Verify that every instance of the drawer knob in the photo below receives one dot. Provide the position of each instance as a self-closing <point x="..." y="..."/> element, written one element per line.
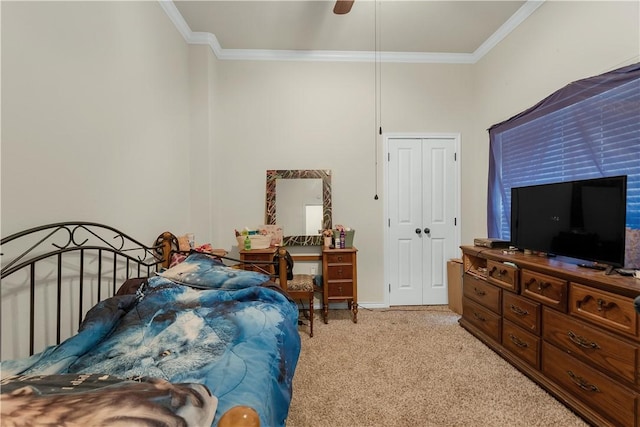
<point x="519" y="311"/>
<point x="479" y="317"/>
<point x="339" y="258"/>
<point x="582" y="342"/>
<point x="582" y="383"/>
<point x="517" y="341"/>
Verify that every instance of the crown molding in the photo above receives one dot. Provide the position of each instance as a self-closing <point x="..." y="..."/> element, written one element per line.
<point x="203" y="38"/>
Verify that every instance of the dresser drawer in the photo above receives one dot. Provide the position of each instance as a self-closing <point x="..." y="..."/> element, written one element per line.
<point x="340" y="258"/>
<point x="482" y="318"/>
<point x="482" y="292"/>
<point x="340" y="289"/>
<point x="522" y="343"/>
<point x="547" y="290"/>
<point x="522" y="312"/>
<point x="596" y="390"/>
<point x="503" y="275"/>
<point x="607" y="310"/>
<point x="339" y="272"/>
<point x="597" y="347"/>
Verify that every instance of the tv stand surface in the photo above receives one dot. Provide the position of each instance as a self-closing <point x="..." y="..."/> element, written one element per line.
<point x="608" y="269"/>
<point x="570" y="329"/>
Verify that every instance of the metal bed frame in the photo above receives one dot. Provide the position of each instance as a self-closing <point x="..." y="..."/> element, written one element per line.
<point x="66" y="250"/>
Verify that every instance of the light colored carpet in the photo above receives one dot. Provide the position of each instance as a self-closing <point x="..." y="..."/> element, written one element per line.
<point x="411" y="366"/>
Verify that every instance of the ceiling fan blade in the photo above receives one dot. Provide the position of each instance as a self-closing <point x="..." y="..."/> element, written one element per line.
<point x="342" y="7"/>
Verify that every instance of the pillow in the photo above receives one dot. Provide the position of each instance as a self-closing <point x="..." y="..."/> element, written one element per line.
<point x="177" y="257"/>
<point x="183" y="243"/>
<point x="203" y="271"/>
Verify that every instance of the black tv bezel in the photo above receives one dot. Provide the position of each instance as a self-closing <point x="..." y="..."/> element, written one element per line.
<point x="577" y="259"/>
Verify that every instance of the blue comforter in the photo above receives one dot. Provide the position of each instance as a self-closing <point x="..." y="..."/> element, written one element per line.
<point x="199" y="323"/>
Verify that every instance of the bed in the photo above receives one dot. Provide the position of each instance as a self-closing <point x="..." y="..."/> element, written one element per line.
<point x="202" y="342"/>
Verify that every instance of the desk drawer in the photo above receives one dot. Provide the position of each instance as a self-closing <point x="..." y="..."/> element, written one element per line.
<point x="340" y="289"/>
<point x="607" y="310"/>
<point x="340" y="258"/>
<point x="613" y="400"/>
<point x="339" y="272"/>
<point x="503" y="275"/>
<point x="523" y="312"/>
<point x="522" y="343"/>
<point x="482" y="292"/>
<point x="597" y="347"/>
<point x="482" y="318"/>
<point x="547" y="290"/>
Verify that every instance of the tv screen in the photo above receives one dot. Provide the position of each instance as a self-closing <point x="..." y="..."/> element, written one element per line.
<point x="579" y="219"/>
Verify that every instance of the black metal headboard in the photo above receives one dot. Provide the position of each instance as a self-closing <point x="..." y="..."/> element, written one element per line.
<point x="84" y="259"/>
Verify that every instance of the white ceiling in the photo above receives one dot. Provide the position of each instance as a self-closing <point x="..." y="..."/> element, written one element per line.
<point x="414" y="28"/>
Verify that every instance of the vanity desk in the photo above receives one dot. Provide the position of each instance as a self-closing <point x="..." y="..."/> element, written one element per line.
<point x="339" y="279"/>
<point x="260" y="255"/>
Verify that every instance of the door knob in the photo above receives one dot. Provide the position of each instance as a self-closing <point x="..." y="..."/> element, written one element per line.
<point x="418" y="231"/>
<point x="427" y="230"/>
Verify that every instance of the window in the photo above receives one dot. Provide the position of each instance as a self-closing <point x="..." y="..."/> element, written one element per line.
<point x="588" y="129"/>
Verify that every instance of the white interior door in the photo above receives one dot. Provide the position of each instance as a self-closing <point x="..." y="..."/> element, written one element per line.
<point x="422" y="191"/>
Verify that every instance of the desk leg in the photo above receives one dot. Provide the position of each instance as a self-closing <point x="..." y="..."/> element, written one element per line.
<point x="354" y="310"/>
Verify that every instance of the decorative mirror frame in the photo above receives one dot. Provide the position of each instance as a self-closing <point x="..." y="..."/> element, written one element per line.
<point x="270" y="211"/>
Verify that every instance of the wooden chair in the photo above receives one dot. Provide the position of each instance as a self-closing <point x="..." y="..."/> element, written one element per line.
<point x="300" y="287"/>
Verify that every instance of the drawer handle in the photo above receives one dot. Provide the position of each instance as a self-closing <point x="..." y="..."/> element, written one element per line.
<point x="541" y="285"/>
<point x="479" y="292"/>
<point x="500" y="272"/>
<point x="582" y="383"/>
<point x="517" y="341"/>
<point x="340" y="258"/>
<point x="517" y="310"/>
<point x="479" y="317"/>
<point x="582" y="342"/>
<point x="604" y="306"/>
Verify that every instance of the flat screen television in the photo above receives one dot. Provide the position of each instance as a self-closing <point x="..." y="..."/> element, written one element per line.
<point x="578" y="219"/>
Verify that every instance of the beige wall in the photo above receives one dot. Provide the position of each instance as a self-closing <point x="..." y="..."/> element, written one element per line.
<point x="111" y="92"/>
<point x="95" y="116"/>
<point x="317" y="115"/>
<point x="563" y="41"/>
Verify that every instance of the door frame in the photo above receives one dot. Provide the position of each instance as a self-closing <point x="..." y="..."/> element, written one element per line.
<point x="455" y="137"/>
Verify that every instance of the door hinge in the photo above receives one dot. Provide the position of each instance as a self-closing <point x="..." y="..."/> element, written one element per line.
<point x="455" y="221"/>
<point x="455" y="157"/>
<point x="388" y="157"/>
<point x="389" y="287"/>
<point x="389" y="222"/>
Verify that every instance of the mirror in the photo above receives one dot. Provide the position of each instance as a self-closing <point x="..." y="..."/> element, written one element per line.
<point x="299" y="201"/>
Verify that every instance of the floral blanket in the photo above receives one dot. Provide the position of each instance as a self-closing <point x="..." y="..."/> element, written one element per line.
<point x="197" y="323"/>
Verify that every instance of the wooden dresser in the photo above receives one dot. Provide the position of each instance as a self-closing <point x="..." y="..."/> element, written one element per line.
<point x="340" y="279"/>
<point x="572" y="330"/>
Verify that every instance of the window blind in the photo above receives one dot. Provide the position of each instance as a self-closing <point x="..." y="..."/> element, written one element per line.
<point x="589" y="129"/>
